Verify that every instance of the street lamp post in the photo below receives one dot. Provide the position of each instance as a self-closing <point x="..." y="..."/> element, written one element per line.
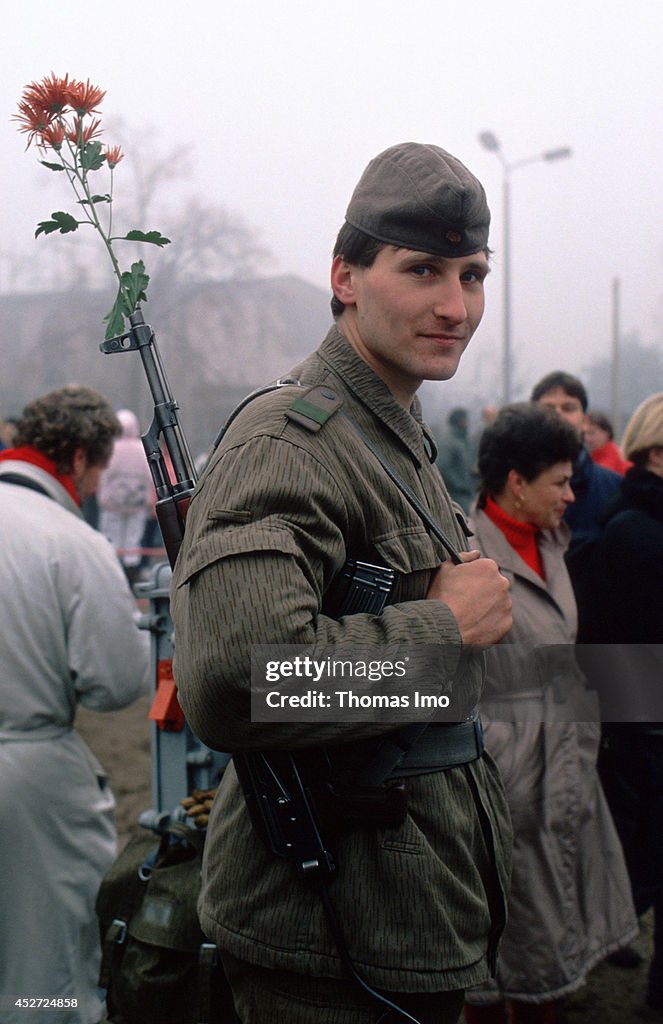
<point x="490" y="142"/>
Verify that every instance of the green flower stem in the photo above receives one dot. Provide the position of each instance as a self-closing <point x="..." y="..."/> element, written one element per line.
<point x="78" y="153"/>
<point x="77" y="174"/>
<point x="110" y="205"/>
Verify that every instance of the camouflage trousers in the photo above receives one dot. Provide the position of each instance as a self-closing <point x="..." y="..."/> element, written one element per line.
<point x="265" y="996"/>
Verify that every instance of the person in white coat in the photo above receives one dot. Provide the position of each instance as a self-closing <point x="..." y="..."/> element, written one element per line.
<point x="68" y="636"/>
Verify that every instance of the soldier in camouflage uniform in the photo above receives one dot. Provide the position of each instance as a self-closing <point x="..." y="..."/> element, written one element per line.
<point x="286" y="499"/>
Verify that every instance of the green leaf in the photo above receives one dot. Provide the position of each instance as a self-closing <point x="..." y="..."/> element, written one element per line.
<point x="52" y="167"/>
<point x="62" y="222"/>
<point x="114" y="320"/>
<point x="131" y="291"/>
<point x="154" y="237"/>
<point x="96" y="199"/>
<point x="92" y="159"/>
<point x="135" y="284"/>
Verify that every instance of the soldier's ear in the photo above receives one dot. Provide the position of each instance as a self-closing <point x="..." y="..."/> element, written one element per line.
<point x="343" y="280"/>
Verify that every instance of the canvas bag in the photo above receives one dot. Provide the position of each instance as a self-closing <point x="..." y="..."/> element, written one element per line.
<point x="157" y="966"/>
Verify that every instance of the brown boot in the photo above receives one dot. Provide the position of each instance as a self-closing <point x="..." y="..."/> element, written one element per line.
<point x="491" y="1013"/>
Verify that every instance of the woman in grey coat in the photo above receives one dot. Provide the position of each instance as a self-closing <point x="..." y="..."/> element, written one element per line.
<point x="570" y="902"/>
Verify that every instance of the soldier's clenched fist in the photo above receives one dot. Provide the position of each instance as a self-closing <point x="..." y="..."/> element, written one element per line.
<point x="477" y="594"/>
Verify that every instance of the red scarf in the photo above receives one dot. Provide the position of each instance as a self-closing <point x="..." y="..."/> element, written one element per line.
<point x="521" y="536"/>
<point x="35" y="458"/>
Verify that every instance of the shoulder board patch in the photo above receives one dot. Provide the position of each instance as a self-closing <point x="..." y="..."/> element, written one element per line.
<point x="312" y="409"/>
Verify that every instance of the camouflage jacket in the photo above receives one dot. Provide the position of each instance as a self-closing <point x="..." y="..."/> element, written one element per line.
<point x="277" y="513"/>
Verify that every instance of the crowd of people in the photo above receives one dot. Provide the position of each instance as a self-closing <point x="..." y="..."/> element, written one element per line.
<point x="601" y="603"/>
<point x="478" y="872"/>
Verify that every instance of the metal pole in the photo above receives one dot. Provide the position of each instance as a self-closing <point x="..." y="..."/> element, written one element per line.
<point x="616" y="368"/>
<point x="490" y="142"/>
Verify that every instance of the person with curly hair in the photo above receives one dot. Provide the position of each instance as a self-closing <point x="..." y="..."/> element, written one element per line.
<point x="570" y="901"/>
<point x="68" y="637"/>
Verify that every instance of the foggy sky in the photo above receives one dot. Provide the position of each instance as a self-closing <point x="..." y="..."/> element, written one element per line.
<point x="284" y="103"/>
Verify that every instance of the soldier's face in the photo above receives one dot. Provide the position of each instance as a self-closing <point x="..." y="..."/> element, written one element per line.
<point x="411" y="315"/>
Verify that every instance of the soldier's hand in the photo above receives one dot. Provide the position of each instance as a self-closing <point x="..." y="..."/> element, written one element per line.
<point x="477" y="594"/>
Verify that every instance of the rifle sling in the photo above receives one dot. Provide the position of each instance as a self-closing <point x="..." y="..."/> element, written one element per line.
<point x="23" y="481"/>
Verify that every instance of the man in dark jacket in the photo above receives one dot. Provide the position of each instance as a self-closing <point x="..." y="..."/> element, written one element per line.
<point x="593" y="487"/>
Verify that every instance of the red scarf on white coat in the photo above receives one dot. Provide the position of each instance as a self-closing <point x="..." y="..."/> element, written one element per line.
<point x="35" y="458"/>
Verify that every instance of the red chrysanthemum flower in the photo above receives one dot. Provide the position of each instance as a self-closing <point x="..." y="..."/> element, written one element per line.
<point x="113" y="156"/>
<point x="53" y="135"/>
<point x="80" y="132"/>
<point x="84" y="97"/>
<point x="59" y="114"/>
<point x="52" y="93"/>
<point x="33" y="119"/>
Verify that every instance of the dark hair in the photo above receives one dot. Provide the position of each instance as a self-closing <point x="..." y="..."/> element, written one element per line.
<point x="600" y="420"/>
<point x="527" y="437"/>
<point x="355" y="247"/>
<point x="559" y="379"/>
<point x="66" y="419"/>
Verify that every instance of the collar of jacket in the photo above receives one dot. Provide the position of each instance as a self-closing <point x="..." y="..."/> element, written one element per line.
<point x="371" y="391"/>
<point x="580" y="469"/>
<point x="643" y="490"/>
<point x="522" y="536"/>
<point x="552" y="545"/>
<point x="33" y="457"/>
<point x="53" y="486"/>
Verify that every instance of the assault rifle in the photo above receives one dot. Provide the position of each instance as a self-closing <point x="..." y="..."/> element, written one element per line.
<point x="181" y="764"/>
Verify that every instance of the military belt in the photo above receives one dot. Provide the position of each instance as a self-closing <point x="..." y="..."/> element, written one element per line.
<point x="442" y="745"/>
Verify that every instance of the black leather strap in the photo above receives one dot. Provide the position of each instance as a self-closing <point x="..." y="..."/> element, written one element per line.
<point x="23" y="481"/>
<point x="409" y="494"/>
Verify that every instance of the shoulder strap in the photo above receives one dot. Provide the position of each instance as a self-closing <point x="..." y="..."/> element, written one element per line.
<point x="312" y="410"/>
<point x="280" y="383"/>
<point x="23" y="481"/>
<point x="409" y="494"/>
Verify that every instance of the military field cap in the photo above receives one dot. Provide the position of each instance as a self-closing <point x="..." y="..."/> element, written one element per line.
<point x="420" y="197"/>
<point x="644" y="430"/>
